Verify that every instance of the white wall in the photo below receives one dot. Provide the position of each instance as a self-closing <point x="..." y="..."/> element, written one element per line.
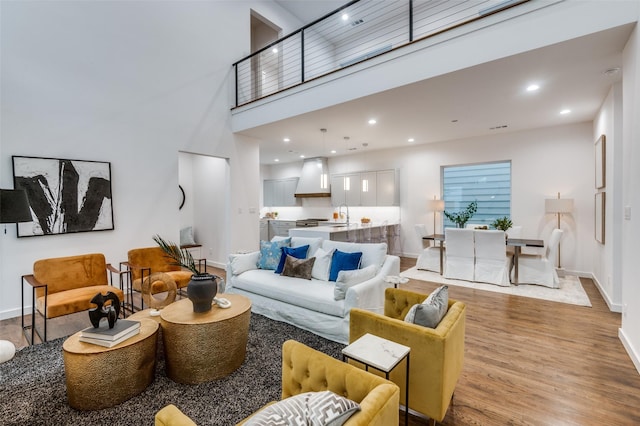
<point x="131" y="83"/>
<point x="630" y="330"/>
<point x="607" y="259"/>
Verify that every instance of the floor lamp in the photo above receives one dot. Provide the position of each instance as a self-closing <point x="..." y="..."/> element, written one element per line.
<point x="14" y="208"/>
<point x="435" y="206"/>
<point x="558" y="206"/>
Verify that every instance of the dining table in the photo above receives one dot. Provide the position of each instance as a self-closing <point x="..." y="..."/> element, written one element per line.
<point x="516" y="243"/>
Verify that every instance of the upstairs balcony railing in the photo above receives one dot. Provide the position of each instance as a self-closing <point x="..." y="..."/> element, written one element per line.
<point x="355" y="32"/>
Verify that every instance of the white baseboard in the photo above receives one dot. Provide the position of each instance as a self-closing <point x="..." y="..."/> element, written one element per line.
<point x="12" y="313"/>
<point x="633" y="354"/>
<point x="613" y="307"/>
<point x="216" y="264"/>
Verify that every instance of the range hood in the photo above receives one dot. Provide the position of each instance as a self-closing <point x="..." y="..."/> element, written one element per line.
<point x="314" y="178"/>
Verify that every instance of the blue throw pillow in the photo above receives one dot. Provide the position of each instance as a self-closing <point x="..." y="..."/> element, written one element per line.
<point x="297" y="252"/>
<point x="270" y="253"/>
<point x="342" y="261"/>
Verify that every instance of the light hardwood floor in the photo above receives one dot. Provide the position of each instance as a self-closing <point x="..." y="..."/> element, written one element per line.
<point x="527" y="361"/>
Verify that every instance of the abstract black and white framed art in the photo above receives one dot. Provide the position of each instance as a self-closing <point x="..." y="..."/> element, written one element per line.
<point x="65" y="196"/>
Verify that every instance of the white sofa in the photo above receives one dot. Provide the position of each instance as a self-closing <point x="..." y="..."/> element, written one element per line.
<point x="311" y="304"/>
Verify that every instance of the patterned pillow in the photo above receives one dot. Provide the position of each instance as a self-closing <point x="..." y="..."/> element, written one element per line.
<point x="298" y="268"/>
<point x="306" y="409"/>
<point x="430" y="312"/>
<point x="270" y="253"/>
<point x="297" y="252"/>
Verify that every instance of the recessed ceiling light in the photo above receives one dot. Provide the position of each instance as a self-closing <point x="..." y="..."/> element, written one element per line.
<point x="532" y="87"/>
<point x="372" y="121"/>
<point x="276" y="160"/>
<point x="286" y="140"/>
<point x="301" y="155"/>
<point x="333" y="151"/>
<point x="274" y="50"/>
<point x="345" y="16"/>
<point x="411" y="140"/>
<point x="565" y="111"/>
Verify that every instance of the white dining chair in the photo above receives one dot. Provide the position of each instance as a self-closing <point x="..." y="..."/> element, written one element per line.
<point x="429" y="258"/>
<point x="492" y="260"/>
<point x="540" y="270"/>
<point x="513" y="232"/>
<point x="460" y="254"/>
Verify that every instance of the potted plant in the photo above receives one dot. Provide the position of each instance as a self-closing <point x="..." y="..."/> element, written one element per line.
<point x="203" y="287"/>
<point x="462" y="217"/>
<point x="502" y="223"/>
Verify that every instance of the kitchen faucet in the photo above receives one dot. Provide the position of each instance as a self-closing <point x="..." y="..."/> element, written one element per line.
<point x="340" y="211"/>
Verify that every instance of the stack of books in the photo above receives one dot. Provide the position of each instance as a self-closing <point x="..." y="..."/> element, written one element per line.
<point x="109" y="337"/>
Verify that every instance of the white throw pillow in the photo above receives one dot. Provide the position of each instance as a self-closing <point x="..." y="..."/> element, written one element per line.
<point x="322" y="264"/>
<point x="186" y="236"/>
<point x="244" y="262"/>
<point x="348" y="279"/>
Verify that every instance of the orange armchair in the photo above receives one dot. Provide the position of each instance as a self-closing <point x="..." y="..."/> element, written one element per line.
<point x="142" y="262"/>
<point x="65" y="285"/>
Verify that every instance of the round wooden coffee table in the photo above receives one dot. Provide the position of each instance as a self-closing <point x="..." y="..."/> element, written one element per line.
<point x="201" y="347"/>
<point x="99" y="377"/>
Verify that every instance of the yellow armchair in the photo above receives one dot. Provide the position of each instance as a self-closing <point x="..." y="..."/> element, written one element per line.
<point x="306" y="370"/>
<point x="436" y="354"/>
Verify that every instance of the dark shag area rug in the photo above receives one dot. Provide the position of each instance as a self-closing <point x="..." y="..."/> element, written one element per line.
<point x="33" y="389"/>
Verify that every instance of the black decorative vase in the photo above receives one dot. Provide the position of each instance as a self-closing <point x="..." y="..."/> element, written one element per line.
<point x="201" y="290"/>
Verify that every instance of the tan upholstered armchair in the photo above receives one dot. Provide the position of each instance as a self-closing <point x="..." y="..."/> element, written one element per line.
<point x="65" y="285"/>
<point x="307" y="370"/>
<point x="436" y="354"/>
<point x="142" y="262"/>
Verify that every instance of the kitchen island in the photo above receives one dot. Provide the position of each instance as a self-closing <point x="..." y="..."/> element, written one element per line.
<point x="355" y="232"/>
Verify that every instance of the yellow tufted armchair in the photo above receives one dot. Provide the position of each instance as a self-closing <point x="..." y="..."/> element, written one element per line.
<point x="436" y="354"/>
<point x="306" y="370"/>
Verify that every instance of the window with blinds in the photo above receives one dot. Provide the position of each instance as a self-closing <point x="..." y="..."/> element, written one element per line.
<point x="487" y="183"/>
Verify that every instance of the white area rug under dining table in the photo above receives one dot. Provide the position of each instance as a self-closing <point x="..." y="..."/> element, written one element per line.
<point x="570" y="290"/>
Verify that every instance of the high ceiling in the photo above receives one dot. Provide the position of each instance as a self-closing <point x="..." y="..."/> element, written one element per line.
<point x="481" y="100"/>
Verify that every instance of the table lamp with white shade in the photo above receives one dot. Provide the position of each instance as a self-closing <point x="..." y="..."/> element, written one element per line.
<point x="558" y="206"/>
<point x="435" y="206"/>
<point x="14" y="208"/>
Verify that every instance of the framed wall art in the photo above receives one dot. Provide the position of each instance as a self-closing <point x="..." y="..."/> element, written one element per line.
<point x="600" y="154"/>
<point x="65" y="196"/>
<point x="600" y="204"/>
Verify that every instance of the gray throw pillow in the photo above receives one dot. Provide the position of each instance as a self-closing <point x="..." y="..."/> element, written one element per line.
<point x="298" y="268"/>
<point x="430" y="312"/>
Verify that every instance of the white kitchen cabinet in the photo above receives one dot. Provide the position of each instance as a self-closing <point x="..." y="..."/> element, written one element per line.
<point x="264" y="230"/>
<point x="368" y="185"/>
<point x="373" y="188"/>
<point x="280" y="192"/>
<point x="387" y="193"/>
<point x="280" y="228"/>
<point x="345" y="189"/>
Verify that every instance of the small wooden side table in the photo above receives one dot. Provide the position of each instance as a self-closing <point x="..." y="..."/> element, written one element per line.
<point x="381" y="354"/>
<point x="205" y="346"/>
<point x="99" y="377"/>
